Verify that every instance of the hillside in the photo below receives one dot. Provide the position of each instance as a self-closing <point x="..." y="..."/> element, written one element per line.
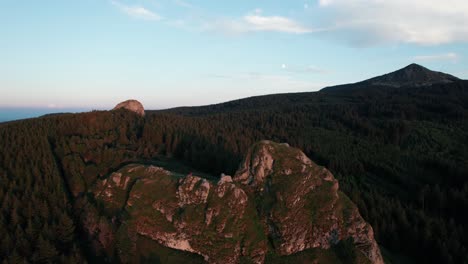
<point x="399" y="153"/>
<point x="233" y="220"/>
<point x="94" y="192"/>
<point x="413" y="80"/>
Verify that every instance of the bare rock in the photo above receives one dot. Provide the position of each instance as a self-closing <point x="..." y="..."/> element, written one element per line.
<point x="278" y="197"/>
<point x="131" y="105"/>
<point x="309" y="211"/>
<point x="224" y="178"/>
<point x="193" y="190"/>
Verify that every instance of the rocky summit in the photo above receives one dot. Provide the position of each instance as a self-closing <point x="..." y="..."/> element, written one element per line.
<point x="279" y="204"/>
<point x="131" y="105"/>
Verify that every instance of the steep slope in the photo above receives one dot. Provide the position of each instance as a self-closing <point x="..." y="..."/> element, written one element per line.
<point x="300" y="202"/>
<point x="279" y="203"/>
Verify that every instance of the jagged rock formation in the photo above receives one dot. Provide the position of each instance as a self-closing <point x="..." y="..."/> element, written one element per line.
<point x="278" y="203"/>
<point x="131" y="105"/>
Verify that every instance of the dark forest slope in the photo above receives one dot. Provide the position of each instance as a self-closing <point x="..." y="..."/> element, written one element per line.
<point x="401" y="154"/>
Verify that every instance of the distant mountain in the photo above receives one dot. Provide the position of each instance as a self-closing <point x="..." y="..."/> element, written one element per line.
<point x="413" y="75"/>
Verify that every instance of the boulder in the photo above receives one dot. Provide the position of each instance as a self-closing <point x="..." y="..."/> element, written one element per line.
<point x="131" y="105"/>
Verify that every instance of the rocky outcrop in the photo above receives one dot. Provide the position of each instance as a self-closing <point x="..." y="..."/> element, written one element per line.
<point x="278" y="203"/>
<point x="211" y="219"/>
<point x="131" y="105"/>
<point x="302" y="205"/>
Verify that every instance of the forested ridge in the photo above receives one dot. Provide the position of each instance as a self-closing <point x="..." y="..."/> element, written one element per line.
<point x="401" y="154"/>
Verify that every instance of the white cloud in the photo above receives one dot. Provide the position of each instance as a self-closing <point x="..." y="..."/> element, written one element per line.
<point x="453" y="57"/>
<point x="426" y="22"/>
<point x="256" y="22"/>
<point x="325" y="2"/>
<point x="137" y="11"/>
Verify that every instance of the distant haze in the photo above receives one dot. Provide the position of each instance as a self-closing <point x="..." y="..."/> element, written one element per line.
<point x="9" y="114"/>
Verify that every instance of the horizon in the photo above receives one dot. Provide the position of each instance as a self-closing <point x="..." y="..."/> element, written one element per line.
<point x="172" y="53"/>
<point x="18" y="113"/>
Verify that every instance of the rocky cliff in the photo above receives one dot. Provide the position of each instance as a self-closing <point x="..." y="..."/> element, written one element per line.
<point x="278" y="204"/>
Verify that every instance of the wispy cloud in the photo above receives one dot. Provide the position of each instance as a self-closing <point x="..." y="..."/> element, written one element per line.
<point x="451" y="56"/>
<point x="256" y="22"/>
<point x="423" y="22"/>
<point x="251" y="22"/>
<point x="138" y="12"/>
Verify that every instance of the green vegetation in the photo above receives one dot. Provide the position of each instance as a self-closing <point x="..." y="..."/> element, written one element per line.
<point x="399" y="154"/>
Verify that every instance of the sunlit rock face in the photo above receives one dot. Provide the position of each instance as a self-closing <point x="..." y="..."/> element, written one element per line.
<point x="278" y="203"/>
<point x="300" y="202"/>
<point x="131" y="105"/>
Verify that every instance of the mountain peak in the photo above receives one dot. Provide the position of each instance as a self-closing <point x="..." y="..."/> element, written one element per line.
<point x="414" y="71"/>
<point x="413" y="74"/>
<point x="415" y="66"/>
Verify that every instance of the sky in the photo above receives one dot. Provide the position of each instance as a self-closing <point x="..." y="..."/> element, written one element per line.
<point x="92" y="54"/>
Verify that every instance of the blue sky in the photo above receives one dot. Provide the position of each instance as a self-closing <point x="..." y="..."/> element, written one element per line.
<point x="91" y="54"/>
